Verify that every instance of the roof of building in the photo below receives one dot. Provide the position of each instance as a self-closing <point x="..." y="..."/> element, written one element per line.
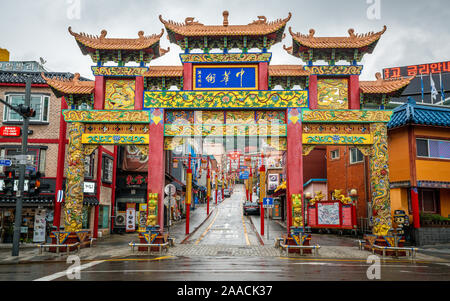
<point x="413" y="113"/>
<point x="191" y="28"/>
<point x="103" y="43"/>
<point x="287" y="70"/>
<point x="70" y="86"/>
<point x="384" y="86"/>
<point x="18" y="77"/>
<point x="352" y="41"/>
<point x="164" y="71"/>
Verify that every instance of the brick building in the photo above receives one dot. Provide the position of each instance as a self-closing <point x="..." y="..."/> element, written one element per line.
<point x="47" y="129"/>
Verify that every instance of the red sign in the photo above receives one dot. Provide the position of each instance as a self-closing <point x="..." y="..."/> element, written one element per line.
<point x="414" y="70"/>
<point x="10" y="131"/>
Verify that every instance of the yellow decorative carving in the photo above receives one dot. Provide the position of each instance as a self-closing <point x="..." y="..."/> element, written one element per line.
<point x="317" y="198"/>
<point x="152" y="206"/>
<point x="297" y="217"/>
<point x="339" y="196"/>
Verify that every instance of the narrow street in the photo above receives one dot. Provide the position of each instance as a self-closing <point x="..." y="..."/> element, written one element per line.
<point x="227" y="226"/>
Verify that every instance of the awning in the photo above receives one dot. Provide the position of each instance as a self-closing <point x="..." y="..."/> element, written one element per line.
<point x="178" y="186"/>
<point x="38" y="200"/>
<point x="90" y="200"/>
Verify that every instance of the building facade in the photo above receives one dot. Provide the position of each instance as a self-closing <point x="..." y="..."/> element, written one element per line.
<point x="46" y="146"/>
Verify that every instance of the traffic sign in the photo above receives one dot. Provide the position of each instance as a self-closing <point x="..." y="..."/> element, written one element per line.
<point x="243" y="175"/>
<point x="267" y="202"/>
<point x="10" y="131"/>
<point x="4" y="162"/>
<point x="170" y="189"/>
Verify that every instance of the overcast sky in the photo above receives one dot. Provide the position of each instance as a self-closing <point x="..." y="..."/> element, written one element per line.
<point x="418" y="31"/>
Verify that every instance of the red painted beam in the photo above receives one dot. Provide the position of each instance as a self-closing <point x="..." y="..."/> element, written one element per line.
<point x="187" y="76"/>
<point x="353" y="91"/>
<point x="263" y="76"/>
<point x="44" y="141"/>
<point x="312" y="90"/>
<point x="99" y="92"/>
<point x="139" y="93"/>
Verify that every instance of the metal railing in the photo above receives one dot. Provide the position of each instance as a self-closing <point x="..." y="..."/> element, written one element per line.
<point x="58" y="246"/>
<point x="149" y="246"/>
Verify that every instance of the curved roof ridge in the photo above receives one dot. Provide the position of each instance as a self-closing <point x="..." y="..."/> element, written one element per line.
<point x="70" y="86"/>
<point x="194" y="28"/>
<point x="101" y="42"/>
<point x="354" y="40"/>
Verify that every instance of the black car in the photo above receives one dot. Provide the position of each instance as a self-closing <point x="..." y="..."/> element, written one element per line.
<point x="251" y="208"/>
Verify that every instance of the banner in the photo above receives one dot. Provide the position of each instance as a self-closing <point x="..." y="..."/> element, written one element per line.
<point x="39" y="226"/>
<point x="142" y="217"/>
<point x="131" y="217"/>
<point x="133" y="159"/>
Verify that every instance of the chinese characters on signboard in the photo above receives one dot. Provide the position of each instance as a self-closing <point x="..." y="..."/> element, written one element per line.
<point x="414" y="70"/>
<point x="228" y="77"/>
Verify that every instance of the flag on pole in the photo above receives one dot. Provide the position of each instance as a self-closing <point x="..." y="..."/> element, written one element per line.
<point x="442" y="87"/>
<point x="59" y="196"/>
<point x="421" y="83"/>
<point x="434" y="92"/>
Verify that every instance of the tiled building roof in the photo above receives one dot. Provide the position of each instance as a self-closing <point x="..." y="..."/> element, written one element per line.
<point x="191" y="28"/>
<point x="70" y="86"/>
<point x="384" y="86"/>
<point x="164" y="71"/>
<point x="412" y="113"/>
<point x="103" y="43"/>
<point x="352" y="41"/>
<point x="287" y="70"/>
<point x="18" y="77"/>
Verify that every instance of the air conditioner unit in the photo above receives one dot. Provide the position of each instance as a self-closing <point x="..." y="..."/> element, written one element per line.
<point x="121" y="219"/>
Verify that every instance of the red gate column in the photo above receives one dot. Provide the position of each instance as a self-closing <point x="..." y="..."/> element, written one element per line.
<point x="294" y="164"/>
<point x="99" y="185"/>
<point x="60" y="164"/>
<point x="156" y="161"/>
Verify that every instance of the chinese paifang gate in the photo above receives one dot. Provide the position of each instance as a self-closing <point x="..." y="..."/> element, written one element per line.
<point x="132" y="101"/>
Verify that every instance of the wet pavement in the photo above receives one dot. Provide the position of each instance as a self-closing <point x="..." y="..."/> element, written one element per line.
<point x="224" y="245"/>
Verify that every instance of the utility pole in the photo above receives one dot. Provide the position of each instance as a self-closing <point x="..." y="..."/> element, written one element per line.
<point x="26" y="112"/>
<point x="19" y="199"/>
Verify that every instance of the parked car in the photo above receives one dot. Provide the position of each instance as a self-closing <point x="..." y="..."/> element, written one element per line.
<point x="251" y="208"/>
<point x="227" y="193"/>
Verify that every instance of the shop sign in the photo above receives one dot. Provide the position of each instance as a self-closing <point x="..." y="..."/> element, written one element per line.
<point x="39" y="226"/>
<point x="10" y="131"/>
<point x="136" y="180"/>
<point x="273" y="181"/>
<point x="89" y="187"/>
<point x="131" y="217"/>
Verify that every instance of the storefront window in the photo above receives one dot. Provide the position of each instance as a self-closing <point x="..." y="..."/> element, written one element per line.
<point x="86" y="217"/>
<point x="103" y="217"/>
<point x="107" y="169"/>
